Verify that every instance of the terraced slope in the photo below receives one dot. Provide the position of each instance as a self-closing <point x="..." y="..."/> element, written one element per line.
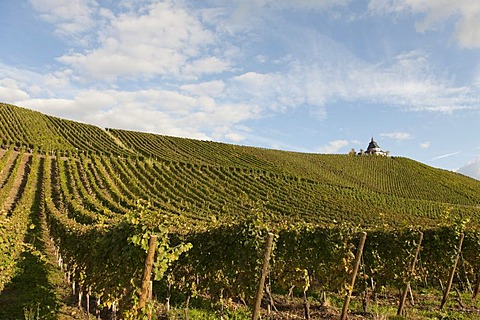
<point x="23" y="127"/>
<point x="203" y="180"/>
<point x="191" y="151"/>
<point x="80" y="185"/>
<point x="34" y="130"/>
<point x="394" y="176"/>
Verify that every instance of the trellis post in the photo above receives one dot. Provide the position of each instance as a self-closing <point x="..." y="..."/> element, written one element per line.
<point x="147" y="271"/>
<point x="261" y="282"/>
<point x="412" y="271"/>
<point x="354" y="276"/>
<point x="452" y="274"/>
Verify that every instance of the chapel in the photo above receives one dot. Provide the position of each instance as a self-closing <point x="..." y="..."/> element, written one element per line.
<point x="374" y="149"/>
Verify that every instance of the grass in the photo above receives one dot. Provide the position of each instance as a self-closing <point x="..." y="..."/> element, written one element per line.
<point x="37" y="291"/>
<point x="193" y="313"/>
<point x="32" y="291"/>
<point x="427" y="306"/>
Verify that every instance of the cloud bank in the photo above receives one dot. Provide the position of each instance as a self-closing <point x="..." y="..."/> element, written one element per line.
<point x="436" y="13"/>
<point x="472" y="169"/>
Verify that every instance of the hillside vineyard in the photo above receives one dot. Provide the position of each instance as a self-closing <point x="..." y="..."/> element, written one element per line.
<point x="86" y="182"/>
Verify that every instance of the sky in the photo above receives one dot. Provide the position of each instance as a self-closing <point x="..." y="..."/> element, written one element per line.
<point x="320" y="76"/>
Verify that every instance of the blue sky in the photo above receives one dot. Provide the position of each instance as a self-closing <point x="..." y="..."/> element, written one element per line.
<point x="312" y="76"/>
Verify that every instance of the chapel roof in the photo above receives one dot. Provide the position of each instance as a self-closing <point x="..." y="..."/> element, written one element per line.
<point x="373" y="145"/>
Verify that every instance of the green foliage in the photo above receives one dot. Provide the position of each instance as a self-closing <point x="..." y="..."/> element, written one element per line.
<point x="108" y="258"/>
<point x="211" y="206"/>
<point x="33" y="130"/>
<point x="146" y="224"/>
<point x="200" y="181"/>
<point x="15" y="224"/>
<point x="223" y="261"/>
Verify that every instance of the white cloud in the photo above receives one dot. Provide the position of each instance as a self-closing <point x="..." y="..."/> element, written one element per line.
<point x="425" y="145"/>
<point x="333" y="146"/>
<point x="199" y="110"/>
<point x="158" y="111"/>
<point x="273" y="91"/>
<point x="9" y="91"/>
<point x="210" y="88"/>
<point x="288" y="4"/>
<point x="64" y="108"/>
<point x="437" y="13"/>
<point x="255" y="80"/>
<point x="408" y="82"/>
<point x="171" y="42"/>
<point x="397" y="135"/>
<point x="235" y="137"/>
<point x="471" y="169"/>
<point x="245" y="9"/>
<point x="161" y="39"/>
<point x="245" y="16"/>
<point x="33" y="83"/>
<point x="72" y="18"/>
<point x="205" y="66"/>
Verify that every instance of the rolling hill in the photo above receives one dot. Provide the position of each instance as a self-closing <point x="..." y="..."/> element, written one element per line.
<point x="204" y="180"/>
<point x="97" y="195"/>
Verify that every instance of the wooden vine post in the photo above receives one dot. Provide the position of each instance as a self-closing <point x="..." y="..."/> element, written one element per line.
<point x="80" y="294"/>
<point x="412" y="271"/>
<point x="147" y="271"/>
<point x="97" y="309"/>
<point x="477" y="288"/>
<point x="452" y="274"/>
<point x="87" y="303"/>
<point x="354" y="276"/>
<point x="261" y="282"/>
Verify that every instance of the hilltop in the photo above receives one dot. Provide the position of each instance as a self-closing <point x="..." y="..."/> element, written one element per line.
<point x="208" y="181"/>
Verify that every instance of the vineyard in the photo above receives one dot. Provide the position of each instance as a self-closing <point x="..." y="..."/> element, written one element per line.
<point x="98" y="196"/>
